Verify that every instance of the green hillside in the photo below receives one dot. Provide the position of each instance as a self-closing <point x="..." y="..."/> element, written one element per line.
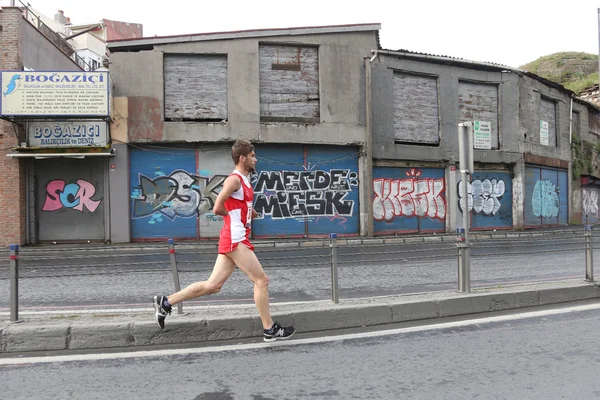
<point x="575" y="71"/>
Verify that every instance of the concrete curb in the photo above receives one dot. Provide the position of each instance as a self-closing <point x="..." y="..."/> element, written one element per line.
<point x="44" y="333"/>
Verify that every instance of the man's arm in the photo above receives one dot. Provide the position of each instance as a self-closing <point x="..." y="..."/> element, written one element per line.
<point x="230" y="185"/>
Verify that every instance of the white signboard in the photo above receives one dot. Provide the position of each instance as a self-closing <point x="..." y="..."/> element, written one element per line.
<point x="67" y="134"/>
<point x="482" y="135"/>
<point x="54" y="93"/>
<point x="544" y="133"/>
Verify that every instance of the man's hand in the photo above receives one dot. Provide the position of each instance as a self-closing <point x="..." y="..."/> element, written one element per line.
<point x="254" y="213"/>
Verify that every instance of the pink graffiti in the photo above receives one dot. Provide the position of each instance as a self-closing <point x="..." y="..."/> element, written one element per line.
<point x="77" y="195"/>
<point x="408" y="198"/>
<point x="342" y="219"/>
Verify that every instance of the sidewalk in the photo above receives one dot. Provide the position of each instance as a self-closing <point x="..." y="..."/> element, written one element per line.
<point x="102" y="329"/>
<point x="289" y="243"/>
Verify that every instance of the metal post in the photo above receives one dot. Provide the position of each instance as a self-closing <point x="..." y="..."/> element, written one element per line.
<point x="459" y="239"/>
<point x="589" y="254"/>
<point x="175" y="272"/>
<point x="465" y="282"/>
<point x="14" y="282"/>
<point x="465" y="149"/>
<point x="334" y="273"/>
<point x="463" y="275"/>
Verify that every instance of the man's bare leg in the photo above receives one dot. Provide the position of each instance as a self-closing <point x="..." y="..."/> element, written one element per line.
<point x="224" y="267"/>
<point x="222" y="270"/>
<point x="246" y="261"/>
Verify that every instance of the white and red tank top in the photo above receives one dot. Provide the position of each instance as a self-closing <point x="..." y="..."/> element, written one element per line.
<point x="237" y="222"/>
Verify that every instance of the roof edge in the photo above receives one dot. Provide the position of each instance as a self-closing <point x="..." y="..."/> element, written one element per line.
<point x="481" y="64"/>
<point x="447" y="59"/>
<point x="242" y="34"/>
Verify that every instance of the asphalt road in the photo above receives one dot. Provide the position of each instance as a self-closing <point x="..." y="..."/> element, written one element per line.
<point x="55" y="280"/>
<point x="548" y="356"/>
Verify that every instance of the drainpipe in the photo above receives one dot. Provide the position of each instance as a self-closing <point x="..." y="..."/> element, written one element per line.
<point x="570" y="187"/>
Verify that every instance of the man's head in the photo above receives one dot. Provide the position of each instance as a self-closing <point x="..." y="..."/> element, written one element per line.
<point x="242" y="153"/>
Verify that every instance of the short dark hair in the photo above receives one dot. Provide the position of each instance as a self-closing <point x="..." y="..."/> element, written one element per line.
<point x="241" y="148"/>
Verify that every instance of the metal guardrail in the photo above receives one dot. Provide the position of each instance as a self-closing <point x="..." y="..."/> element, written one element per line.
<point x="328" y="256"/>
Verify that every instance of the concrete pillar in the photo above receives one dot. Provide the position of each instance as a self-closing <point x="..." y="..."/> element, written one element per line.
<point x="366" y="163"/>
<point x="118" y="174"/>
<point x="576" y="215"/>
<point x="118" y="178"/>
<point x="518" y="194"/>
<point x="366" y="196"/>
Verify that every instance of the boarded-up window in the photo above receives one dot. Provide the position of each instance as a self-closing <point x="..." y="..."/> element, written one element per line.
<point x="195" y="87"/>
<point x="479" y="102"/>
<point x="594" y="121"/>
<point x="289" y="83"/>
<point x="416" y="115"/>
<point x="548" y="116"/>
<point x="576" y="127"/>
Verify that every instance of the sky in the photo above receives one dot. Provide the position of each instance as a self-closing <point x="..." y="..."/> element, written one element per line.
<point x="509" y="32"/>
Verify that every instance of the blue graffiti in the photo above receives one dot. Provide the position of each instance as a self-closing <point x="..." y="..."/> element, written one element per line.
<point x="155" y="218"/>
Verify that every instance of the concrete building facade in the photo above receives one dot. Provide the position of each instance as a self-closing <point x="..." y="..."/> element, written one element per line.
<point x="298" y="94"/>
<point x="351" y="139"/>
<point x="522" y="173"/>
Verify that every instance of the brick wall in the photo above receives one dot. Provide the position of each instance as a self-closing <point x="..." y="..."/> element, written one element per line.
<point x="122" y="30"/>
<point x="12" y="176"/>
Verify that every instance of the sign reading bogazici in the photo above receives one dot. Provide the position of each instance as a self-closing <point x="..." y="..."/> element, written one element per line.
<point x="53" y="93"/>
<point x="67" y="133"/>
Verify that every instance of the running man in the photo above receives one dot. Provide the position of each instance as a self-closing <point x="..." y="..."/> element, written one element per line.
<point x="234" y="203"/>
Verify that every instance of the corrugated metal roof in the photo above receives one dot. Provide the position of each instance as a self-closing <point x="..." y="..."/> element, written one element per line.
<point x="451" y="59"/>
<point x="116" y="45"/>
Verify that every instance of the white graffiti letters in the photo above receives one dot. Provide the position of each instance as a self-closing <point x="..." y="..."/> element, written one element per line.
<point x="408" y="198"/>
<point x="590" y="202"/>
<point x="186" y="200"/>
<point x="305" y="194"/>
<point x="483" y="196"/>
<point x="545" y="200"/>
